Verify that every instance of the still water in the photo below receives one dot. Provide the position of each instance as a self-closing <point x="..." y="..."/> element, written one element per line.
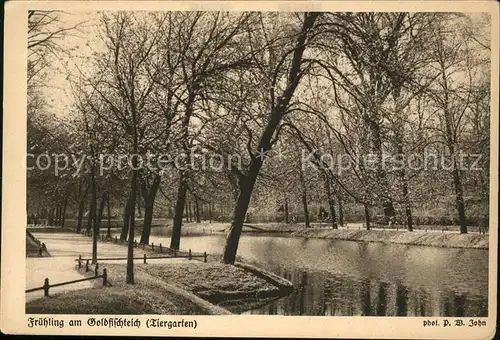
<point x="354" y="278"/>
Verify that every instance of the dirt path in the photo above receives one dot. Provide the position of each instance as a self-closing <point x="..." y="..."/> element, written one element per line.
<point x="60" y="266"/>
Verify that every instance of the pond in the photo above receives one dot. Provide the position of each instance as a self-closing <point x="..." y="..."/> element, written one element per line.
<point x="346" y="278"/>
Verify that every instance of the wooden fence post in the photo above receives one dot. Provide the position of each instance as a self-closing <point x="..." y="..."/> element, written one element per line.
<point x="205" y="256"/>
<point x="96" y="269"/>
<point x="161" y="249"/>
<point x="104" y="277"/>
<point x="144" y="258"/>
<point x="189" y="254"/>
<point x="79" y="261"/>
<point x="87" y="266"/>
<point x="46" y="287"/>
<point x="135" y="243"/>
<point x="152" y="246"/>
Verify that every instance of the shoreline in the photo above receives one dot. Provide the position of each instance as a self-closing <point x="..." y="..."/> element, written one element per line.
<point x="415" y="238"/>
<point x="249" y="288"/>
<point x="418" y="237"/>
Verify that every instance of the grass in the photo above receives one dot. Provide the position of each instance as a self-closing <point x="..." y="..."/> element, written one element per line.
<point x="177" y="288"/>
<point x="225" y="285"/>
<point x="203" y="278"/>
<point x="419" y="238"/>
<point x="149" y="295"/>
<point x="136" y="299"/>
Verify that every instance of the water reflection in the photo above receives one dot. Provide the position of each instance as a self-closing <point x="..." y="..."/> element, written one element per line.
<point x="373" y="279"/>
<point x="334" y="295"/>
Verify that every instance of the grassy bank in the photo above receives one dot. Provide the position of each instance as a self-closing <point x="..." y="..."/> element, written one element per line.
<point x="234" y="288"/>
<point x="180" y="287"/>
<point x="139" y="299"/>
<point x="418" y="238"/>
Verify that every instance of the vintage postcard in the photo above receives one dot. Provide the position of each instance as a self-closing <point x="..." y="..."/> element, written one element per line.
<point x="250" y="169"/>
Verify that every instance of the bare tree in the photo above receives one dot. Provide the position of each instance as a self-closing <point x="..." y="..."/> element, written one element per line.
<point x="279" y="108"/>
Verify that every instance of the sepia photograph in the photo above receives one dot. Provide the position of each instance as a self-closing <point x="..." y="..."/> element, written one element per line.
<point x="318" y="163"/>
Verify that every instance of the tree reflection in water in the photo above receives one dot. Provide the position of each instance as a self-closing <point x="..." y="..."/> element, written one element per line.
<point x="328" y="294"/>
<point x="350" y="278"/>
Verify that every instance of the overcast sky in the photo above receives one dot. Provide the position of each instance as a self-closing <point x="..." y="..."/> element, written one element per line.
<point x="80" y="46"/>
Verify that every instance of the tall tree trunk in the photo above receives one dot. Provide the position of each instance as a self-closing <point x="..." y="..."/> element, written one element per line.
<point x="399" y="133"/>
<point x="451" y="143"/>
<point x="108" y="204"/>
<point x="131" y="234"/>
<point x="126" y="221"/>
<point x="331" y="202"/>
<point x="247" y="181"/>
<point x="50" y="218"/>
<point x="139" y="207"/>
<point x="148" y="220"/>
<point x="149" y="196"/>
<point x="459" y="200"/>
<point x="409" y="218"/>
<point x="307" y="221"/>
<point x="81" y="210"/>
<point x="240" y="210"/>
<point x="382" y="185"/>
<point x="405" y="192"/>
<point x="190" y="211"/>
<point x="54" y="215"/>
<point x="57" y="215"/>
<point x="183" y="177"/>
<point x="90" y="217"/>
<point x="93" y="208"/>
<point x="197" y="209"/>
<point x="100" y="213"/>
<point x="341" y="209"/>
<point x="63" y="213"/>
<point x="210" y="212"/>
<point x="133" y="196"/>
<point x="457" y="184"/>
<point x="367" y="216"/>
<point x="287" y="218"/>
<point x="179" y="211"/>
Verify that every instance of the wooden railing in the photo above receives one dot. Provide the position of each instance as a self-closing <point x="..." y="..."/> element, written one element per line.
<point x="41" y="245"/>
<point x="144" y="258"/>
<point x="46" y="285"/>
<point x="159" y="248"/>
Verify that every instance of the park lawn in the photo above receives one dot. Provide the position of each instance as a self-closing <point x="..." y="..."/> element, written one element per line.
<point x="178" y="287"/>
<point x="149" y="295"/>
<point x="216" y="283"/>
<point x="114" y="300"/>
<point x="206" y="278"/>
